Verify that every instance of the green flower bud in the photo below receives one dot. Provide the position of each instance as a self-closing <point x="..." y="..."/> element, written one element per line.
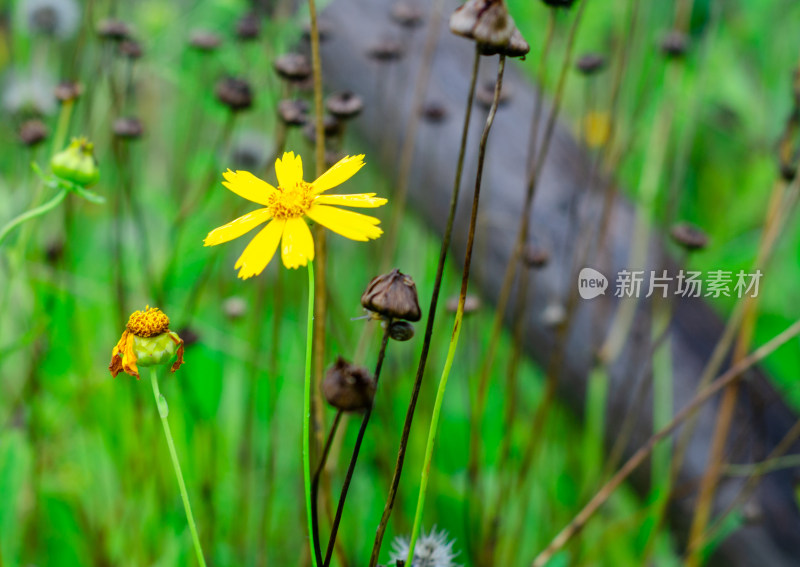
<point x="157" y="350"/>
<point x="77" y="163"/>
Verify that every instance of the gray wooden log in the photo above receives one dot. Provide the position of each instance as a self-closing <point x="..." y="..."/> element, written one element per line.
<point x="762" y="417"/>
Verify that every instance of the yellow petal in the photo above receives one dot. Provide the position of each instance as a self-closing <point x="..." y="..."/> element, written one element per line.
<point x="247" y="185"/>
<point x="297" y="247"/>
<point x="340" y="172"/>
<point x="364" y="200"/>
<point x="289" y="170"/>
<point x="354" y="226"/>
<point x="260" y="250"/>
<point x="237" y="228"/>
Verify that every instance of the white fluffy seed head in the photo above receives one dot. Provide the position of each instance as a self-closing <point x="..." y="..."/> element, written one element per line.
<point x="431" y="550"/>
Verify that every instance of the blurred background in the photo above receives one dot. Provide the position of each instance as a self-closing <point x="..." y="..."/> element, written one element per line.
<point x="174" y="93"/>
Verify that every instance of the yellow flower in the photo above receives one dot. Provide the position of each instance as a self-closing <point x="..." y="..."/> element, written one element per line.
<point x="285" y="209"/>
<point x="147" y="341"/>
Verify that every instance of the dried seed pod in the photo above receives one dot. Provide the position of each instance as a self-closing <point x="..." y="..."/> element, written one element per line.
<point x="32" y="132"/>
<point x="516" y="46"/>
<point x="190" y="336"/>
<point x="434" y="112"/>
<point x="333" y="156"/>
<point x="489" y="24"/>
<point x="386" y="50"/>
<point x="128" y="128"/>
<point x="471" y="304"/>
<point x="204" y="40"/>
<point x="248" y="27"/>
<point x="535" y="256"/>
<point x="68" y="91"/>
<point x="689" y="236"/>
<point x="344" y="105"/>
<point x="591" y="63"/>
<point x="113" y="30"/>
<point x="131" y="49"/>
<point x="234" y="93"/>
<point x="674" y="44"/>
<point x="293" y="112"/>
<point x="392" y="295"/>
<point x="331" y="125"/>
<point x="407" y="14"/>
<point x="401" y="331"/>
<point x="234" y="307"/>
<point x="54" y="251"/>
<point x="348" y="387"/>
<point x="293" y="67"/>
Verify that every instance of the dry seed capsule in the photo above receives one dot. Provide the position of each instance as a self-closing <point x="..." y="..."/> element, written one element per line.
<point x="32" y="132"/>
<point x="234" y="93"/>
<point x="293" y="67"/>
<point x="392" y="295"/>
<point x="689" y="236"/>
<point x="128" y="128"/>
<point x="348" y="387"/>
<point x="344" y="105"/>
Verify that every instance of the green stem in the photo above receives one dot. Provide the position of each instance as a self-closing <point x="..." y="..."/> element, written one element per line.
<point x="33" y="213"/>
<point x="163" y="412"/>
<point x="307" y="410"/>
<point x="437" y="407"/>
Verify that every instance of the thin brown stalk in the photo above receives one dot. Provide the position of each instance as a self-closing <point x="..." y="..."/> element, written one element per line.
<point x="423" y="357"/>
<point x="356" y="449"/>
<point x="771" y="463"/>
<point x="320" y="236"/>
<point x="494" y="336"/>
<point x="522" y="235"/>
<point x="704" y="395"/>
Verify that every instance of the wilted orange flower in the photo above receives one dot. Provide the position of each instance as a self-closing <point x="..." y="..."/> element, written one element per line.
<point x="146" y="341"/>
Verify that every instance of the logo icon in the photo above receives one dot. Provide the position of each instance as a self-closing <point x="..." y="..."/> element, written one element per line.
<point x="591" y="283"/>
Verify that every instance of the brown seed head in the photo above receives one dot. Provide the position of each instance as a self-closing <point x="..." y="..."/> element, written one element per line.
<point x="331" y="125"/>
<point x="344" y="104"/>
<point x="516" y="46"/>
<point x="113" y="30"/>
<point x="32" y="132"/>
<point x="674" y="44"/>
<point x="535" y="256"/>
<point x="68" y="90"/>
<point x="204" y="40"/>
<point x="131" y="49"/>
<point x="386" y="50"/>
<point x="293" y="67"/>
<point x="407" y="14"/>
<point x="348" y="387"/>
<point x="128" y="128"/>
<point x="488" y="23"/>
<point x="293" y="112"/>
<point x="248" y="27"/>
<point x="434" y="112"/>
<point x="234" y="93"/>
<point x="392" y="295"/>
<point x="689" y="236"/>
<point x="591" y="63"/>
<point x="234" y="307"/>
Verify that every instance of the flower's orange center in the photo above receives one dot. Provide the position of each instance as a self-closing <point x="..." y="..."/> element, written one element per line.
<point x="148" y="323"/>
<point x="291" y="202"/>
